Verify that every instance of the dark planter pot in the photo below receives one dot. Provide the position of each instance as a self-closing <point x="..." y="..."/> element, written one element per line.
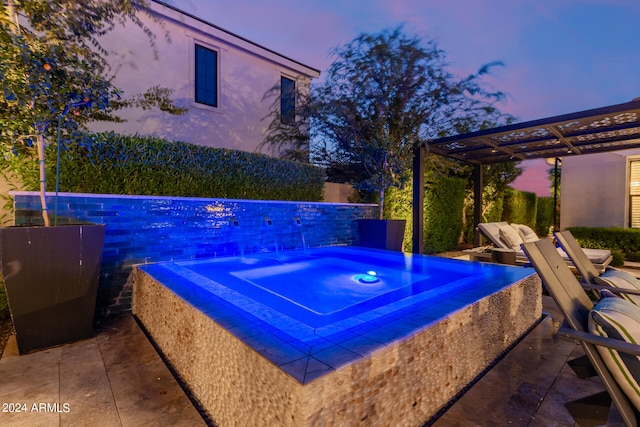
<point x="382" y="233"/>
<point x="51" y="278"/>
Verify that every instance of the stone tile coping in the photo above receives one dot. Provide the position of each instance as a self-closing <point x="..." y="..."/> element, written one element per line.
<point x="144" y="197"/>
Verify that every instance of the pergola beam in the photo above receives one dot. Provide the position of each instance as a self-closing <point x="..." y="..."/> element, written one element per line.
<point x="612" y="128"/>
<point x="554" y="130"/>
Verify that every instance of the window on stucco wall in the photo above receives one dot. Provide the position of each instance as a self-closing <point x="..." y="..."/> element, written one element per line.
<point x="206" y="76"/>
<point x="634" y="194"/>
<point x="287" y="101"/>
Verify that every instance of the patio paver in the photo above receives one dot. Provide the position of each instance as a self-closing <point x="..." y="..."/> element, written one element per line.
<point x="118" y="379"/>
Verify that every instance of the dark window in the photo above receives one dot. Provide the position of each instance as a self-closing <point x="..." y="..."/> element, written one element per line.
<point x="206" y="76"/>
<point x="287" y="101"/>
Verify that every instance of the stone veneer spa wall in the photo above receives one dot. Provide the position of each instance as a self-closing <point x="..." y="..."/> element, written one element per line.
<point x="404" y="382"/>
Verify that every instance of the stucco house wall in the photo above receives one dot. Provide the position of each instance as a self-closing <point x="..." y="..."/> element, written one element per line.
<point x="246" y="71"/>
<point x="595" y="190"/>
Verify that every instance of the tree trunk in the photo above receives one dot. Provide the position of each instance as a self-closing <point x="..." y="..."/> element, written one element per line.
<point x="43" y="181"/>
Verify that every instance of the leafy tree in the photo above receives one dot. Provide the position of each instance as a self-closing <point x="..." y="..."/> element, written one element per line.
<point x="555" y="177"/>
<point x="55" y="77"/>
<point x="290" y="140"/>
<point x="384" y="94"/>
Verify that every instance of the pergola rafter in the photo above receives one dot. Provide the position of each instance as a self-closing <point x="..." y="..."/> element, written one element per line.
<point x="612" y="128"/>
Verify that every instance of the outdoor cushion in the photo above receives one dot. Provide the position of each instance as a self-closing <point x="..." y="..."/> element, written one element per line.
<point x="597" y="256"/>
<point x="492" y="231"/>
<point x="619" y="319"/>
<point x="621" y="279"/>
<point x="510" y="237"/>
<point x="527" y="234"/>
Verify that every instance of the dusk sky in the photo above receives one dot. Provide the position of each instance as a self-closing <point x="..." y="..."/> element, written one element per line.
<point x="560" y="56"/>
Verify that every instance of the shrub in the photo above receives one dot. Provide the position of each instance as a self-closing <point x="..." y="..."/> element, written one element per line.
<point x="544" y="216"/>
<point x="109" y="163"/>
<point x="520" y="207"/>
<point x="494" y="212"/>
<point x="399" y="205"/>
<point x="444" y="199"/>
<point x="623" y="242"/>
<point x="617" y="258"/>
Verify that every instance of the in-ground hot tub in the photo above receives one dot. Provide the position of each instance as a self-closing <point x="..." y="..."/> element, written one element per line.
<point x="333" y="336"/>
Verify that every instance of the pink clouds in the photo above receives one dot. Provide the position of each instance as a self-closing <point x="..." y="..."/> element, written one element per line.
<point x="534" y="178"/>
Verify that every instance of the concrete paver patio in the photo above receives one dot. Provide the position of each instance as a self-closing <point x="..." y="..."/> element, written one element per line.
<point x="118" y="379"/>
<point x="114" y="379"/>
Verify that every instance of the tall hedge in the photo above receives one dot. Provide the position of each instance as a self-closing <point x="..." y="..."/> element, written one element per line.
<point x="110" y="163"/>
<point x="443" y="224"/>
<point x="544" y="216"/>
<point x="520" y="207"/>
<point x="399" y="205"/>
<point x="493" y="213"/>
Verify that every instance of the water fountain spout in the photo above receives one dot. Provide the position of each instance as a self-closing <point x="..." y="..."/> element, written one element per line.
<point x="234" y="225"/>
<point x="268" y="230"/>
<point x="298" y="223"/>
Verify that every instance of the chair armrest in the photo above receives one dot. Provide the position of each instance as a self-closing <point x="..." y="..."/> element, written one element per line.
<point x="622" y="346"/>
<point x="613" y="289"/>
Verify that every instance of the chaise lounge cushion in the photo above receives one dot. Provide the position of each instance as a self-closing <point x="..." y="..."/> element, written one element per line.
<point x="597" y="256"/>
<point x="526" y="232"/>
<point x="492" y="231"/>
<point x="510" y="237"/>
<point x="621" y="279"/>
<point x="618" y="318"/>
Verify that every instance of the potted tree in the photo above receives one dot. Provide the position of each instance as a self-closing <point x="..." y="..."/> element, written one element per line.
<point x="386" y="164"/>
<point x="383" y="95"/>
<point x="53" y="82"/>
<point x="370" y="111"/>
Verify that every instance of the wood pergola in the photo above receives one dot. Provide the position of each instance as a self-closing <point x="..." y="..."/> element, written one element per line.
<point x="612" y="128"/>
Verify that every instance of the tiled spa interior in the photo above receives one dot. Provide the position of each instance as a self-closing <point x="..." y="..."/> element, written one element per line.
<point x="244" y="367"/>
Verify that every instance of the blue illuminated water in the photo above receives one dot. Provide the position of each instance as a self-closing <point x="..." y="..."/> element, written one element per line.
<point x="323" y="286"/>
<point x="307" y="311"/>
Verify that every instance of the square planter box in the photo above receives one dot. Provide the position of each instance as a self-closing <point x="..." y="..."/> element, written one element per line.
<point x="51" y="278"/>
<point x="382" y="233"/>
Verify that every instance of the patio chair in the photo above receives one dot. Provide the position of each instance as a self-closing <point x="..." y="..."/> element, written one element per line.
<point x="503" y="235"/>
<point x="593" y="278"/>
<point x="613" y="359"/>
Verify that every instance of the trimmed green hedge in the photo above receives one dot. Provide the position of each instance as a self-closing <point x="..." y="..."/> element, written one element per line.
<point x="520" y="207"/>
<point x="494" y="212"/>
<point x="399" y="205"/>
<point x="443" y="201"/>
<point x="443" y="224"/>
<point x="544" y="216"/>
<point x="623" y="242"/>
<point x="109" y="163"/>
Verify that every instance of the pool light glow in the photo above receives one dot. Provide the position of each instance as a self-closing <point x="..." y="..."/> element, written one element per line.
<point x="369" y="277"/>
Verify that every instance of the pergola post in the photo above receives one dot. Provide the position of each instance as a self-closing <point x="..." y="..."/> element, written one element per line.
<point x="556" y="175"/>
<point x="418" y="199"/>
<point x="477" y="202"/>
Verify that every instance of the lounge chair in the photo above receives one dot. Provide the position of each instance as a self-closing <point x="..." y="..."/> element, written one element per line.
<point x="594" y="278"/>
<point x="503" y="235"/>
<point x="591" y="326"/>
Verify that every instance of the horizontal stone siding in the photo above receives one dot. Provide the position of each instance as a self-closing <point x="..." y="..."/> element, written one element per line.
<point x="144" y="229"/>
